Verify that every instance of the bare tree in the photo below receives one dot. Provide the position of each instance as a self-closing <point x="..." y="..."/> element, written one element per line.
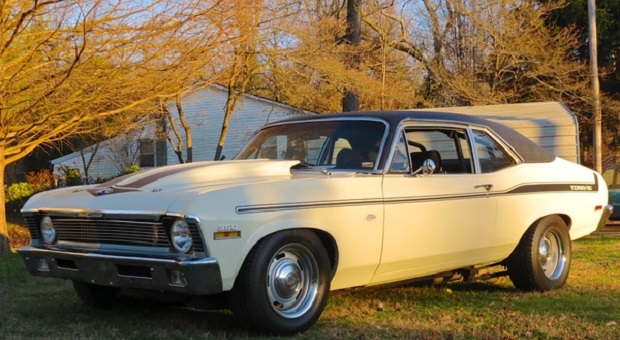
<point x="477" y="52"/>
<point x="88" y="161"/>
<point x="177" y="142"/>
<point x="66" y="64"/>
<point x="313" y="69"/>
<point x="249" y="29"/>
<point x="123" y="150"/>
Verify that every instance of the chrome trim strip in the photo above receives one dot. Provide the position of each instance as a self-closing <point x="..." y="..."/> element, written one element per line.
<point x="78" y="212"/>
<point x="380" y="152"/>
<point x="145" y="260"/>
<point x="259" y="208"/>
<point x="517" y="190"/>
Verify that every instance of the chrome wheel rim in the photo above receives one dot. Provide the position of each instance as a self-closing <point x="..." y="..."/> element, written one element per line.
<point x="292" y="281"/>
<point x="551" y="254"/>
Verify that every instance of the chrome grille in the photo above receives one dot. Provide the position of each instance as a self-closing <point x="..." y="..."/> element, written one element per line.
<point x="114" y="231"/>
<point x="33" y="227"/>
<point x="111" y="231"/>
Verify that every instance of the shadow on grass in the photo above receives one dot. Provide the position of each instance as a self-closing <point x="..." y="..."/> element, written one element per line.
<point x="164" y="319"/>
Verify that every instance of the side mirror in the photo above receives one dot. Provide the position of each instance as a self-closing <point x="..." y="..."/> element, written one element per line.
<point x="427" y="168"/>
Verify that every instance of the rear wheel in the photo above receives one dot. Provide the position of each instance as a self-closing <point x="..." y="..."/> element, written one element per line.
<point x="283" y="284"/>
<point x="542" y="259"/>
<point x="96" y="296"/>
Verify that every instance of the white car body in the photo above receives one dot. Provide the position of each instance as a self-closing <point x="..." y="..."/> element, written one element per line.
<point x="378" y="222"/>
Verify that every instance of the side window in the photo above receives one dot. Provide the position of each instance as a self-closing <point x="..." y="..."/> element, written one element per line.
<point x="400" y="161"/>
<point x="447" y="147"/>
<point x="339" y="145"/>
<point x="491" y="156"/>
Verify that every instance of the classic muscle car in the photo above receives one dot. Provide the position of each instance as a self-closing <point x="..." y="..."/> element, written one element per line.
<point x="323" y="203"/>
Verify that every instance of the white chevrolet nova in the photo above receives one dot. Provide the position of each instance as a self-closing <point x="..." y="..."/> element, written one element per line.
<point x="322" y="203"/>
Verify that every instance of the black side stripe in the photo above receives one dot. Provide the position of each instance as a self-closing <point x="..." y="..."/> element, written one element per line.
<point x="522" y="189"/>
<point x="555" y="187"/>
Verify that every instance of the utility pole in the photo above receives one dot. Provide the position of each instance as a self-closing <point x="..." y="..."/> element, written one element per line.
<point x="596" y="90"/>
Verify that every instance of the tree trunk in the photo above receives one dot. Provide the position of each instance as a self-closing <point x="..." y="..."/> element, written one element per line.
<point x="187" y="128"/>
<point x="5" y="247"/>
<point x="86" y="164"/>
<point x="230" y="108"/>
<point x="350" y="102"/>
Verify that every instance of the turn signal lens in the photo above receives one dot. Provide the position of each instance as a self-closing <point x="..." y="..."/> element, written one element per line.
<point x="222" y="235"/>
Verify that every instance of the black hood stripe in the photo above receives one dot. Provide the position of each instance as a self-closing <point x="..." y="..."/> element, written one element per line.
<point x="112" y="187"/>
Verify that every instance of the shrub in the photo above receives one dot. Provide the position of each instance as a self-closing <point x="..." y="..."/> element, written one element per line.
<point x="70" y="176"/>
<point x="98" y="179"/>
<point x="130" y="170"/>
<point x="18" y="193"/>
<point x="19" y="235"/>
<point x="41" y="180"/>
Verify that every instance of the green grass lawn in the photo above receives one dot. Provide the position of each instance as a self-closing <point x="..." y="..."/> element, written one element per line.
<point x="588" y="307"/>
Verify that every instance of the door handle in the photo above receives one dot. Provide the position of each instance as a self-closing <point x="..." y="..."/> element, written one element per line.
<point x="485" y="186"/>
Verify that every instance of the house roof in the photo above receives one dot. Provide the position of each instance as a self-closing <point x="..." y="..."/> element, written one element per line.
<point x="263" y="100"/>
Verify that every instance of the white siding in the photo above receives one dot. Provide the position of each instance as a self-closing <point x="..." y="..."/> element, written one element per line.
<point x="101" y="166"/>
<point x="204" y="111"/>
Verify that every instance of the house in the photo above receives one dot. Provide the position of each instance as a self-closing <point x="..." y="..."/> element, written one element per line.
<point x="550" y="124"/>
<point x="204" y="112"/>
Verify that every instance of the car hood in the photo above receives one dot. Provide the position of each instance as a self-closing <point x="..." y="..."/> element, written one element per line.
<point x="154" y="190"/>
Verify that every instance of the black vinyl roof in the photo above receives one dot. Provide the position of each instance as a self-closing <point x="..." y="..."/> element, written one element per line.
<point x="529" y="151"/>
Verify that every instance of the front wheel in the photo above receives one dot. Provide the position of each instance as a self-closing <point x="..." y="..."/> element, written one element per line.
<point x="542" y="259"/>
<point x="283" y="284"/>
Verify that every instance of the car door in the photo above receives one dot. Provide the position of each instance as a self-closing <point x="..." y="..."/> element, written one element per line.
<point x="441" y="220"/>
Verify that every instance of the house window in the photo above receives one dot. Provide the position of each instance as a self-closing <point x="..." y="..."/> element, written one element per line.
<point x="152" y="153"/>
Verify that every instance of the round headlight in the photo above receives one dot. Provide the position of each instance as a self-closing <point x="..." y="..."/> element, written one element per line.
<point x="181" y="236"/>
<point x="48" y="233"/>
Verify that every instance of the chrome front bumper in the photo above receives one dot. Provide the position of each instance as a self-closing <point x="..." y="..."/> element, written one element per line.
<point x="190" y="276"/>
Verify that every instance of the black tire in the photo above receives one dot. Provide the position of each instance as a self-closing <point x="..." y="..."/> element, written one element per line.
<point x="95" y="296"/>
<point x="542" y="259"/>
<point x="284" y="283"/>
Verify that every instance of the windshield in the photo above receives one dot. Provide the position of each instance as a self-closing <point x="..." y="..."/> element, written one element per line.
<point x="329" y="144"/>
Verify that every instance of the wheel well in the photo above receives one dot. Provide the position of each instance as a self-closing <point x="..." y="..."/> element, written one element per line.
<point x="328" y="242"/>
<point x="332" y="248"/>
<point x="566" y="219"/>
